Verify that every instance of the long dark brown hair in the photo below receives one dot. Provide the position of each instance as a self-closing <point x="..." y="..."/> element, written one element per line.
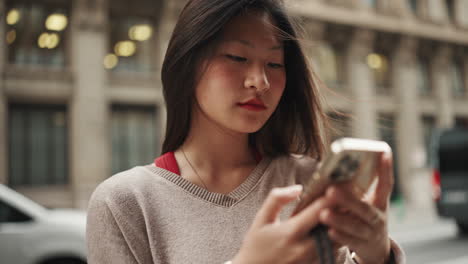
<point x="296" y="124"/>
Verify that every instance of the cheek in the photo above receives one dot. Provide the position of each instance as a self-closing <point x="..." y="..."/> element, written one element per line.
<point x="225" y="77"/>
<point x="217" y="85"/>
<point x="278" y="84"/>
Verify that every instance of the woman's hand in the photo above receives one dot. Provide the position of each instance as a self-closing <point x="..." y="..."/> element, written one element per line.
<point x="271" y="241"/>
<point x="361" y="224"/>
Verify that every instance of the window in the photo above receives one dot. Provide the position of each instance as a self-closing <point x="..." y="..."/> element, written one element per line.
<point x="458" y="86"/>
<point x="134" y="136"/>
<point x="380" y="68"/>
<point x="451" y="9"/>
<point x="329" y="60"/>
<point x="131" y="47"/>
<point x="380" y="63"/>
<point x="452" y="149"/>
<point x="38" y="145"/>
<point x="429" y="128"/>
<point x="413" y="5"/>
<point x="461" y="122"/>
<point x="423" y="71"/>
<point x="36" y="33"/>
<point x="340" y="123"/>
<point x="8" y="214"/>
<point x="387" y="128"/>
<point x="371" y="3"/>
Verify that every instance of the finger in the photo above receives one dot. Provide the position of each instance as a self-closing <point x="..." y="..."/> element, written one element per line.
<point x="358" y="208"/>
<point x="308" y="218"/>
<point x="345" y="239"/>
<point x="381" y="195"/>
<point x="347" y="223"/>
<point x="275" y="201"/>
<point x="306" y="250"/>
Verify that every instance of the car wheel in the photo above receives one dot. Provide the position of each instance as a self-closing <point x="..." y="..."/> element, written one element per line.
<point x="63" y="261"/>
<point x="462" y="227"/>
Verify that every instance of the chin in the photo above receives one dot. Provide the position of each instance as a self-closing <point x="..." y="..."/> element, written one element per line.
<point x="250" y="127"/>
<point x="248" y="131"/>
<point x="245" y="124"/>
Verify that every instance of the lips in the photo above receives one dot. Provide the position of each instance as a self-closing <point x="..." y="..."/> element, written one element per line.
<point x="253" y="105"/>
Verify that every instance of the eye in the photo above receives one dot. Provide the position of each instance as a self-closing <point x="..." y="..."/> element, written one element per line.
<point x="275" y="65"/>
<point x="236" y="58"/>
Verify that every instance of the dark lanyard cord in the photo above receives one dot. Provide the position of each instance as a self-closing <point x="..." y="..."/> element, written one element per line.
<point x="324" y="246"/>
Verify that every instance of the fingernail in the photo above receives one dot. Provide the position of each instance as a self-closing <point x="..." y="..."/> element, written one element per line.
<point x="292" y="190"/>
<point x="295" y="188"/>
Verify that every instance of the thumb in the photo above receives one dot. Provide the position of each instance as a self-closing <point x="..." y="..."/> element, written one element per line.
<point x="275" y="201"/>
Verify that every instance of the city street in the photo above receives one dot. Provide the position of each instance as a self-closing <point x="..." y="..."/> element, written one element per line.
<point x="430" y="240"/>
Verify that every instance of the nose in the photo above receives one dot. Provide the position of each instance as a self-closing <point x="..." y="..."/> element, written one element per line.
<point x="257" y="79"/>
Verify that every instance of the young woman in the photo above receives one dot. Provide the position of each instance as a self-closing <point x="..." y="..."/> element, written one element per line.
<point x="243" y="132"/>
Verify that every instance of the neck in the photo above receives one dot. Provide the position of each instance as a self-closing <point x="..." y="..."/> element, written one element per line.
<point x="218" y="149"/>
<point x="223" y="159"/>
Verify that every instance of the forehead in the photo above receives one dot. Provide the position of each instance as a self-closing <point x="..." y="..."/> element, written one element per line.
<point x="254" y="27"/>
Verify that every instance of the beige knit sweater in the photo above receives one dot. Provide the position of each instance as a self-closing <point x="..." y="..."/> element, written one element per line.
<point x="150" y="215"/>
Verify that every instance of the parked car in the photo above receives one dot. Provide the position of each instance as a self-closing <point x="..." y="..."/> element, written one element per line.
<point x="450" y="178"/>
<point x="32" y="234"/>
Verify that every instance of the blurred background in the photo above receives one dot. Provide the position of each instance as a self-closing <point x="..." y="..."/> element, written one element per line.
<point x="81" y="98"/>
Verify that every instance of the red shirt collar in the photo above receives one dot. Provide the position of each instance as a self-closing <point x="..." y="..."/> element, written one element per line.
<point x="168" y="161"/>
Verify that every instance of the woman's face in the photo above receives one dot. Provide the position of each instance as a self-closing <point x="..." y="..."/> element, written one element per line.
<point x="246" y="77"/>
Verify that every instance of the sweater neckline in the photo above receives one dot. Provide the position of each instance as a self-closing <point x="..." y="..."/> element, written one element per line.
<point x="225" y="200"/>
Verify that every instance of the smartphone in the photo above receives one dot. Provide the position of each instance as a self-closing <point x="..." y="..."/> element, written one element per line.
<point x="348" y="160"/>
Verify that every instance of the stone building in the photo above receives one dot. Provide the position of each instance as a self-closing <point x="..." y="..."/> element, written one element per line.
<point x="80" y="90"/>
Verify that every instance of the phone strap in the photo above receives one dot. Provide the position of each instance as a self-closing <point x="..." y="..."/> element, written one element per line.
<point x="323" y="244"/>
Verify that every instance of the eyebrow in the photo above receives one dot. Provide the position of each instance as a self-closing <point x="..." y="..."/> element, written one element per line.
<point x="246" y="43"/>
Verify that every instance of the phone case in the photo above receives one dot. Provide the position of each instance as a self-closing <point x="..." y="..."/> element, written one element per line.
<point x="349" y="159"/>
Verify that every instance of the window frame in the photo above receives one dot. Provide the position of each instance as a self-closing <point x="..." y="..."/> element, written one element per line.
<point x="383" y="47"/>
<point x="371" y="3"/>
<point x="63" y="47"/>
<point x="457" y="77"/>
<point x="429" y="121"/>
<point x="387" y="131"/>
<point x="145" y="10"/>
<point x="424" y="73"/>
<point x="451" y="10"/>
<point x="120" y="111"/>
<point x="54" y="178"/>
<point x="414" y="6"/>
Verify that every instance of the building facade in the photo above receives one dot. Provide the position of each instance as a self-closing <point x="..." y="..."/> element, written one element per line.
<point x="81" y="97"/>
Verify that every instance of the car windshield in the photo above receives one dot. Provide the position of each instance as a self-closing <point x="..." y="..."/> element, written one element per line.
<point x="20" y="201"/>
<point x="454" y="160"/>
<point x="453" y="152"/>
